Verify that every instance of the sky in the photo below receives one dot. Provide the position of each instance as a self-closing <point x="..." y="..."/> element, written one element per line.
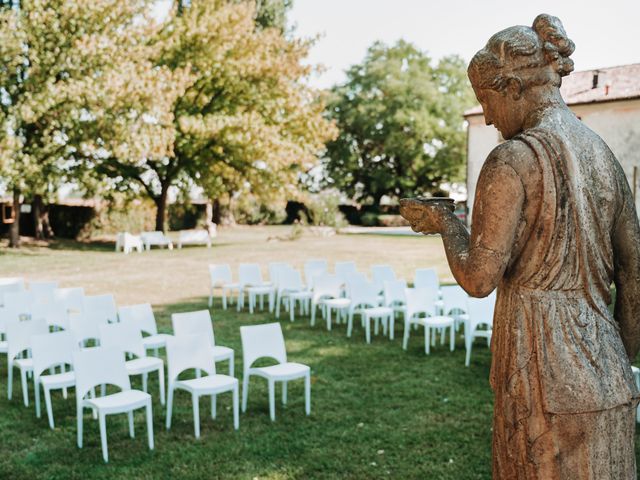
<point x="606" y="32"/>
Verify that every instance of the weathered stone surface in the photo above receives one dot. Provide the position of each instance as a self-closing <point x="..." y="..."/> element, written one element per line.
<point x="554" y="224"/>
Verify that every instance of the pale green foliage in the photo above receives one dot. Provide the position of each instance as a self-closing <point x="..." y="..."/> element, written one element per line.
<point x="324" y="209"/>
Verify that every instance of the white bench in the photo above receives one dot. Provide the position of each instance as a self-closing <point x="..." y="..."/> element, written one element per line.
<point x="127" y="242"/>
<point x="194" y="237"/>
<point x="156" y="238"/>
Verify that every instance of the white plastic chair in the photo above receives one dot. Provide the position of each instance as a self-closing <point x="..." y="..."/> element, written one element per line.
<point x="49" y="351"/>
<point x="220" y="276"/>
<point x="55" y="314"/>
<point x="188" y="352"/>
<point x="86" y="326"/>
<point x="479" y="312"/>
<point x="157" y="238"/>
<point x="142" y="317"/>
<point x="421" y="301"/>
<point x="343" y="269"/>
<point x="43" y="291"/>
<point x="250" y="279"/>
<point x="127" y="337"/>
<point x="381" y="274"/>
<point x="454" y="301"/>
<point x="10" y="284"/>
<point x="426" y="278"/>
<point x="199" y="323"/>
<point x="19" y="335"/>
<point x="20" y="302"/>
<point x="128" y="243"/>
<point x="327" y="293"/>
<point x="71" y="298"/>
<point x="101" y="306"/>
<point x="105" y="366"/>
<point x="260" y="341"/>
<point x="312" y="269"/>
<point x="290" y="289"/>
<point x="366" y="302"/>
<point x="394" y="295"/>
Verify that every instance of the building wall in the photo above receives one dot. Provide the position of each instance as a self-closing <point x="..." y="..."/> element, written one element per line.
<point x="618" y="123"/>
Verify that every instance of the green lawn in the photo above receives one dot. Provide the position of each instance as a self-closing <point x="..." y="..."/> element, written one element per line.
<point x="377" y="411"/>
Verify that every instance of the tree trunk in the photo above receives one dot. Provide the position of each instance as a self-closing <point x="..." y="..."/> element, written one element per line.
<point x="42" y="227"/>
<point x="216" y="212"/>
<point x="14" y="230"/>
<point x="161" y="208"/>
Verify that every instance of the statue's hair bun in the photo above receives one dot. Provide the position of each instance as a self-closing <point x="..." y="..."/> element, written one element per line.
<point x="557" y="47"/>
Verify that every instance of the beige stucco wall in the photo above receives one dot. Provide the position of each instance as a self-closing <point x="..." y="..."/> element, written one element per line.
<point x="618" y="123"/>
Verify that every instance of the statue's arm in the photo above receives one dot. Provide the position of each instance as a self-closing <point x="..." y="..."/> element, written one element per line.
<point x="626" y="251"/>
<point x="478" y="261"/>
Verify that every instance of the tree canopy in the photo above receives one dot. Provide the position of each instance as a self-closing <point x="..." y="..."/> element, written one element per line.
<point x="400" y="121"/>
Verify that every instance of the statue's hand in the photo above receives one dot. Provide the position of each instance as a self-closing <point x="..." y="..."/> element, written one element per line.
<point x="426" y="217"/>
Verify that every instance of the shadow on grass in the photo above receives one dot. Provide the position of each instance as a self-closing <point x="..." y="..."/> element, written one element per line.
<point x="75" y="245"/>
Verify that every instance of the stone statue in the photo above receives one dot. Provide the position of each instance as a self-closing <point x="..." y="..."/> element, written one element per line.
<point x="554" y="224"/>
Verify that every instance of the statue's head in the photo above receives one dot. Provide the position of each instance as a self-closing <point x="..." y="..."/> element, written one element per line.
<point x="515" y="60"/>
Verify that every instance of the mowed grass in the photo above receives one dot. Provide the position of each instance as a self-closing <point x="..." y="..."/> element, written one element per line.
<point x="377" y="411"/>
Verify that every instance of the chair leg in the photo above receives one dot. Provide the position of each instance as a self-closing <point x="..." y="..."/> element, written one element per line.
<point x="9" y="379"/>
<point x="349" y="324"/>
<point x="79" y="423"/>
<point x="103" y="436"/>
<point x="214" y="402"/>
<point x="314" y="307"/>
<point x="161" y="382"/>
<point x="145" y="378"/>
<point x="278" y="301"/>
<point x="272" y="400"/>
<point x="196" y="415"/>
<point x="231" y="366"/>
<point x="224" y="299"/>
<point x="150" y="425"/>
<point x="36" y="391"/>
<point x="427" y="336"/>
<point x="284" y="392"/>
<point x="467" y="358"/>
<point x="169" y="406"/>
<point x="391" y="326"/>
<point x="307" y="394"/>
<point x="405" y="336"/>
<point x="452" y="338"/>
<point x="236" y="413"/>
<point x="25" y="391"/>
<point x="47" y="402"/>
<point x="245" y="392"/>
<point x="329" y="318"/>
<point x="367" y="328"/>
<point x="132" y="432"/>
<point x="210" y="303"/>
<point x="292" y="308"/>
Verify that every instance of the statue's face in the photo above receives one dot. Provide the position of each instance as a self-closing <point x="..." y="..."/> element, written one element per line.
<point x="502" y="109"/>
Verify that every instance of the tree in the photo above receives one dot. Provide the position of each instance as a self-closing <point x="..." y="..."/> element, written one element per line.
<point x="400" y="122"/>
<point x="246" y="122"/>
<point x="76" y="88"/>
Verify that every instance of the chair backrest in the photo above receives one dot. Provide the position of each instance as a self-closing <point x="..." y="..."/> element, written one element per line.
<point x="352" y="279"/>
<point x="363" y="294"/>
<point x="326" y="286"/>
<point x="124" y="336"/>
<point x="20" y="302"/>
<point x="259" y="341"/>
<point x="454" y="299"/>
<point x="426" y="278"/>
<point x="72" y="298"/>
<point x="52" y="349"/>
<point x="10" y="284"/>
<point x="289" y="280"/>
<point x="99" y="366"/>
<point x="194" y="323"/>
<point x="86" y="327"/>
<point x="420" y="300"/>
<point x="480" y="310"/>
<point x="312" y="269"/>
<point x="394" y="293"/>
<point x="249" y="274"/>
<point x="102" y="306"/>
<point x="381" y="274"/>
<point x="43" y="291"/>
<point x="185" y="352"/>
<point x="141" y="316"/>
<point x="274" y="271"/>
<point x="220" y="274"/>
<point x="55" y="314"/>
<point x="19" y="335"/>
<point x="343" y="269"/>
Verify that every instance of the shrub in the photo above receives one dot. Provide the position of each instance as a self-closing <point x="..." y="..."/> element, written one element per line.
<point x="392" y="221"/>
<point x="324" y="209"/>
<point x="369" y="219"/>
